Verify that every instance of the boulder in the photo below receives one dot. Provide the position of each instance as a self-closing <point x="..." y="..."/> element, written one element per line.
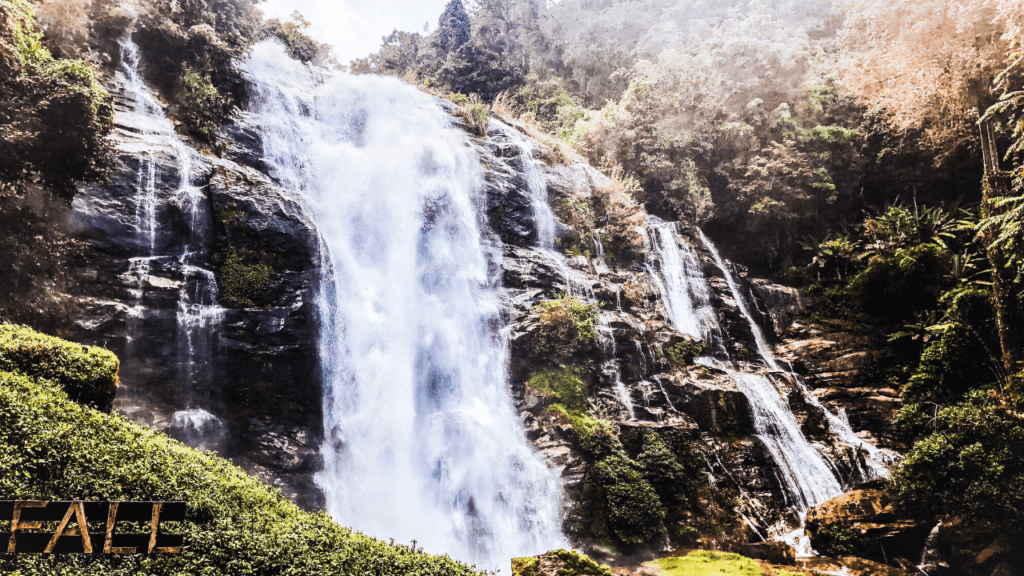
<point x="866" y="523"/>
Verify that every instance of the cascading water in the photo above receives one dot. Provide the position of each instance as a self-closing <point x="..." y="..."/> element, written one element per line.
<point x="681" y="282"/>
<point x="197" y="313"/>
<point x="875" y="461"/>
<point x="421" y="438"/>
<point x="544" y="218"/>
<point x="808" y="477"/>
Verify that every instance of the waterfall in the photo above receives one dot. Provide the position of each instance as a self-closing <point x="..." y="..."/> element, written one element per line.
<point x="422" y="441"/>
<point x="875" y="462"/>
<point x="680" y="280"/>
<point x="808" y="477"/>
<point x="197" y="313"/>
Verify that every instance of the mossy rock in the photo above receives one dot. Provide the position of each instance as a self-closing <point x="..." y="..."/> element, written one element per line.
<point x="88" y="374"/>
<point x="559" y="562"/>
<point x="54" y="449"/>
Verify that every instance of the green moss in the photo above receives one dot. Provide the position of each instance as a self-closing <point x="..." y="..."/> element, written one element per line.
<point x="706" y="563"/>
<point x="577" y="564"/>
<point x="524" y="566"/>
<point x="594" y="433"/>
<point x="203" y="107"/>
<point x="684" y="352"/>
<point x="244" y="279"/>
<point x="569" y="317"/>
<point x="87" y="374"/>
<point x="54" y="449"/>
<point x="565" y="384"/>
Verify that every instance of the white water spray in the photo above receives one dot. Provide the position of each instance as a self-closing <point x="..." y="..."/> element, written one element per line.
<point x="422" y="440"/>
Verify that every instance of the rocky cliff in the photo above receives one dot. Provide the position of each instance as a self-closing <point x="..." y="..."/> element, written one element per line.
<point x="199" y="271"/>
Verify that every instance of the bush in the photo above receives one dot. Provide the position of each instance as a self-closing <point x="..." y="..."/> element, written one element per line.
<point x="661" y="468"/>
<point x="632" y="509"/>
<point x="684" y="352"/>
<point x="565" y="384"/>
<point x="569" y="319"/>
<point x="55" y="115"/>
<point x="203" y="108"/>
<point x="54" y="449"/>
<point x="86" y="374"/>
<point x="970" y="464"/>
<point x="244" y="279"/>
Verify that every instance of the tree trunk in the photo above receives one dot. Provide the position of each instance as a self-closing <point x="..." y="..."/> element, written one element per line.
<point x="1009" y="317"/>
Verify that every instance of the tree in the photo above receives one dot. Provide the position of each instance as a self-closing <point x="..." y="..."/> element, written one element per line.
<point x="454" y="28"/>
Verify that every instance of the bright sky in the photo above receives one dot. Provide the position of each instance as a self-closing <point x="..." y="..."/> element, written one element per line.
<point x="355" y="27"/>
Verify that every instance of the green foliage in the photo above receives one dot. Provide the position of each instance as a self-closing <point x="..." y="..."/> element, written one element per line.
<point x="706" y="563"/>
<point x="244" y="279"/>
<point x="672" y="481"/>
<point x="294" y="34"/>
<point x="203" y="107"/>
<point x="834" y="540"/>
<point x="595" y="434"/>
<point x="87" y="374"/>
<point x="577" y="564"/>
<point x="569" y="318"/>
<point x="524" y="566"/>
<point x="971" y="463"/>
<point x="565" y="384"/>
<point x="633" y="511"/>
<point x="54" y="114"/>
<point x="54" y="449"/>
<point x="686" y="351"/>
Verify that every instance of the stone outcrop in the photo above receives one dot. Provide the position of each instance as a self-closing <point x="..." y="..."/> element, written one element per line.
<point x="241" y="381"/>
<point x="866" y="523"/>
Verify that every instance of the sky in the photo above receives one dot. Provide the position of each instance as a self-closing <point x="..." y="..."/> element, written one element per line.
<point x="355" y="27"/>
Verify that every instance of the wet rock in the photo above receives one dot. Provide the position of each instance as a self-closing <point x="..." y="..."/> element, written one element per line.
<point x="866" y="523"/>
<point x="774" y="552"/>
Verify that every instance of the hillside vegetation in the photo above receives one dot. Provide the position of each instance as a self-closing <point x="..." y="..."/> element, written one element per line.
<point x="52" y="448"/>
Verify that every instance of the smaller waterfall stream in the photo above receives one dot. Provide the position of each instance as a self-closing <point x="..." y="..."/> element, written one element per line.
<point x="808" y="476"/>
<point x="197" y="313"/>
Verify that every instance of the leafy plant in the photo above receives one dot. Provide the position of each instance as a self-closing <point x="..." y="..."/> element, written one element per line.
<point x="243" y="279"/>
<point x="203" y="107"/>
<point x="569" y="319"/>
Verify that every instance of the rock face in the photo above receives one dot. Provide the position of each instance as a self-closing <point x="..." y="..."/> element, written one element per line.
<point x="866" y="524"/>
<point x="242" y="381"/>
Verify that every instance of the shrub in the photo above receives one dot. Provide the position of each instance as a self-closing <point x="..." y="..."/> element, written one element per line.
<point x="55" y="115"/>
<point x="54" y="449"/>
<point x="970" y="464"/>
<point x="684" y="352"/>
<point x="87" y="374"/>
<point x="569" y="319"/>
<point x="524" y="566"/>
<point x="632" y="509"/>
<point x="203" y="108"/>
<point x="244" y="279"/>
<point x="662" y="469"/>
<point x="565" y="384"/>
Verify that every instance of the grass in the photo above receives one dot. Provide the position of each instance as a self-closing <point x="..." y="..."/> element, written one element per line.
<point x="706" y="563"/>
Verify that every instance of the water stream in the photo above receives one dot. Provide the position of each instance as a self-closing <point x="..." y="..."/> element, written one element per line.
<point x="808" y="476"/>
<point x="422" y="439"/>
<point x="197" y="315"/>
